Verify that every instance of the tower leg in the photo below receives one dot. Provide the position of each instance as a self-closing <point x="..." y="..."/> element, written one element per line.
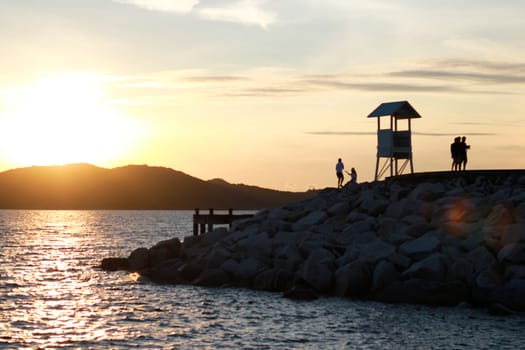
<point x="377" y="168"/>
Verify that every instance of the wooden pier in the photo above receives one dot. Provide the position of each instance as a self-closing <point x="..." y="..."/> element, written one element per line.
<point x="208" y="220"/>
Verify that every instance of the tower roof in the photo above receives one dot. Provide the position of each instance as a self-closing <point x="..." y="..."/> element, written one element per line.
<point x="399" y="110"/>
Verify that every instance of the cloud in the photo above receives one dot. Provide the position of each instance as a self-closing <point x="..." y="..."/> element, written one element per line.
<point x="247" y="12"/>
<point x="173" y="6"/>
<point x="466" y="76"/>
<point x="214" y="78"/>
<point x="467" y="71"/>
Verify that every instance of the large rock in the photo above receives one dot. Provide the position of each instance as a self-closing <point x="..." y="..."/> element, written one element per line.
<point x="172" y="246"/>
<point x="515" y="233"/>
<point x="500" y="217"/>
<point x="421" y="246"/>
<point x="167" y="272"/>
<point x="218" y="255"/>
<point x="512" y="253"/>
<point x="353" y="280"/>
<point x="247" y="269"/>
<point x="288" y="257"/>
<point x="481" y="258"/>
<point x="428" y="191"/>
<point x="316" y="270"/>
<point x="138" y="259"/>
<point x="432" y="268"/>
<point x="114" y="264"/>
<point x="255" y="245"/>
<point x="310" y="220"/>
<point x="375" y="250"/>
<point x="511" y="295"/>
<point x="212" y="278"/>
<point x="385" y="274"/>
<point x="339" y="208"/>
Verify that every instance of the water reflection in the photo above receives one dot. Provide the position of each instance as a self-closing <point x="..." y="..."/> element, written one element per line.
<point x="51" y="297"/>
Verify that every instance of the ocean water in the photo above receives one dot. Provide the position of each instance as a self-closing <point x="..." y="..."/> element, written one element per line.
<point x="53" y="296"/>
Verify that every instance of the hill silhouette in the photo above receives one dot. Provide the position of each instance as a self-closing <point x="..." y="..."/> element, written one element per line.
<point x="84" y="186"/>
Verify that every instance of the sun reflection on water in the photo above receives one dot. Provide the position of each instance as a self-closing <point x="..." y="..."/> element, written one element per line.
<point x="55" y="295"/>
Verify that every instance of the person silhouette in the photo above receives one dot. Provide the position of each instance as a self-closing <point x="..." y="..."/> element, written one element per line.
<point x="455" y="154"/>
<point x="353" y="175"/>
<point x="339" y="167"/>
<point x="463" y="153"/>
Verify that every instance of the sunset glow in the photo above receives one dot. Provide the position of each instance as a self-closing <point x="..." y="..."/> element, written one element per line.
<point x="61" y="119"/>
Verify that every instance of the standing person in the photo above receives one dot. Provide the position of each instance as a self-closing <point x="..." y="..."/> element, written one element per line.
<point x="454" y="152"/>
<point x="339" y="167"/>
<point x="463" y="153"/>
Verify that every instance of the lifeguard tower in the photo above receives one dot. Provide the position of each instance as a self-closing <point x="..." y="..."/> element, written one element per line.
<point x="394" y="144"/>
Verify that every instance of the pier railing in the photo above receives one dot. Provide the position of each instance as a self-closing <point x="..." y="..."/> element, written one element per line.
<point x="206" y="221"/>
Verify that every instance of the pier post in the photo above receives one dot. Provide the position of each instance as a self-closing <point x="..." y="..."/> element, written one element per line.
<point x="195" y="223"/>
<point x="210" y="223"/>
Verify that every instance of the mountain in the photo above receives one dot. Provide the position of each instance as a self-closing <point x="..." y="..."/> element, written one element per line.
<point x="84" y="186"/>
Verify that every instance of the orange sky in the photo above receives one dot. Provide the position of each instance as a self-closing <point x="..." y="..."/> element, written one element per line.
<point x="258" y="92"/>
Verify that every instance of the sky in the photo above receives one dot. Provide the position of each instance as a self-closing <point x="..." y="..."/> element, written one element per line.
<point x="266" y="93"/>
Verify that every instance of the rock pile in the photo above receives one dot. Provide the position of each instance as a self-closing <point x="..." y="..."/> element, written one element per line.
<point x="435" y="242"/>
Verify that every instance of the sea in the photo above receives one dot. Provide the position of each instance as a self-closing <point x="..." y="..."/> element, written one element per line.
<point x="53" y="295"/>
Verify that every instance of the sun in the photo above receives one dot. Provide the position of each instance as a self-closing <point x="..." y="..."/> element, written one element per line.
<point x="63" y="118"/>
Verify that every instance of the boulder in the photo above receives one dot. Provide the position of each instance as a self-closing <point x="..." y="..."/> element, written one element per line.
<point x="519" y="212"/>
<point x="375" y="250"/>
<point x="138" y="259"/>
<point x="191" y="270"/>
<point x="514" y="272"/>
<point x="511" y="294"/>
<point x="172" y="246"/>
<point x="218" y="255"/>
<point x="481" y="259"/>
<point x="212" y="278"/>
<point x="428" y="191"/>
<point x="515" y="233"/>
<point x="247" y="269"/>
<point x="353" y="280"/>
<point x="500" y="217"/>
<point x="265" y="280"/>
<point x="432" y="268"/>
<point x="374" y="206"/>
<point x="513" y="253"/>
<point x="288" y="257"/>
<point x="421" y="246"/>
<point x="385" y="274"/>
<point x="461" y="270"/>
<point x="114" y="264"/>
<point x="316" y="271"/>
<point x="310" y="220"/>
<point x="339" y="208"/>
<point x="254" y="245"/>
<point x="489" y="279"/>
<point x="278" y="214"/>
<point x="167" y="272"/>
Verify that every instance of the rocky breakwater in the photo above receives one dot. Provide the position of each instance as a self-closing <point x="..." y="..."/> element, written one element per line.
<point x="440" y="242"/>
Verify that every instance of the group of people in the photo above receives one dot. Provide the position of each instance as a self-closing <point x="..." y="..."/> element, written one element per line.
<point x="458" y="151"/>
<point x="339" y="168"/>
